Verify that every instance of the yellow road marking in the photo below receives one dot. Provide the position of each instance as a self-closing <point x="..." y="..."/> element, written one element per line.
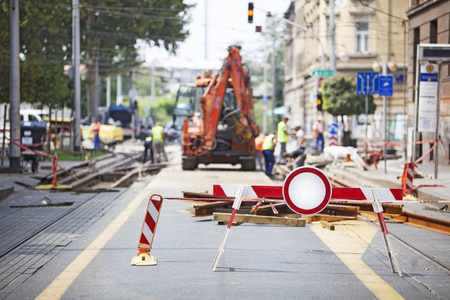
<point x="349" y="242"/>
<point x="60" y="285"/>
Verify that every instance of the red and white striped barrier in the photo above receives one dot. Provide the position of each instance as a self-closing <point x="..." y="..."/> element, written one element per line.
<point x="407" y="179"/>
<point x="152" y="213"/>
<point x="275" y="192"/>
<point x="332" y="141"/>
<point x="307" y="191"/>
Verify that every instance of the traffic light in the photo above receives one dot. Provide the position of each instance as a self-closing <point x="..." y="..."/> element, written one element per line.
<point x="319" y="102"/>
<point x="250" y="12"/>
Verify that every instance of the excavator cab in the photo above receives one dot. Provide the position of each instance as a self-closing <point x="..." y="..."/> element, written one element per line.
<point x="187" y="105"/>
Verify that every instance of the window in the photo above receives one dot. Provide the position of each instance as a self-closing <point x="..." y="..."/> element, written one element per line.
<point x="362" y="37"/>
<point x="32" y="118"/>
<point x="433" y="32"/>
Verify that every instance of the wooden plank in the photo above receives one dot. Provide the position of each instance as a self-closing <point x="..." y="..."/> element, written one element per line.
<point x="283" y="169"/>
<point x="320" y="217"/>
<point x="387" y="208"/>
<point x="246" y="218"/>
<point x="359" y="162"/>
<point x="340" y="210"/>
<point x="328" y="226"/>
<point x="207" y="209"/>
<point x="266" y="210"/>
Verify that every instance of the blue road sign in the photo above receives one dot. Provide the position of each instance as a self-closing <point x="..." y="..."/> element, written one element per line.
<point x="265" y="100"/>
<point x="367" y="83"/>
<point x="386" y="86"/>
<point x="333" y="128"/>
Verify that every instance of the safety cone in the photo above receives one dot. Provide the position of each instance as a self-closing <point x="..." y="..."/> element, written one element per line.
<point x="143" y="257"/>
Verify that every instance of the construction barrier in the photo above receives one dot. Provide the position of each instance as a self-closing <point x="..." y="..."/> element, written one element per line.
<point x="147" y="235"/>
<point x="379" y="153"/>
<point x="407" y="180"/>
<point x="332" y="140"/>
<point x="28" y="149"/>
<point x="306" y="190"/>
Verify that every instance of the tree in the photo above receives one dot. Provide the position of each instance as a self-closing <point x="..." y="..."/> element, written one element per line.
<point x="339" y="97"/>
<point x="41" y="72"/>
<point x="110" y="30"/>
<point x="115" y="26"/>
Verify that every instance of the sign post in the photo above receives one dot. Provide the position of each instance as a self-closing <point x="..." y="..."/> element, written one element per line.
<point x="386" y="85"/>
<point x="431" y="53"/>
<point x="333" y="129"/>
<point x="366" y="84"/>
<point x="385" y="88"/>
<point x="323" y="73"/>
<point x="428" y="90"/>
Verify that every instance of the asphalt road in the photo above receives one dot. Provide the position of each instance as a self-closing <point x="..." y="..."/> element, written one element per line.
<point x="259" y="261"/>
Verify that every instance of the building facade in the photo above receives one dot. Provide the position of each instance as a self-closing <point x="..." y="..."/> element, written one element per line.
<point x="368" y="35"/>
<point x="429" y="22"/>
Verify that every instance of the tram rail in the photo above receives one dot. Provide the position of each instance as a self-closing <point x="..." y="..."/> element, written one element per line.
<point x="406" y="217"/>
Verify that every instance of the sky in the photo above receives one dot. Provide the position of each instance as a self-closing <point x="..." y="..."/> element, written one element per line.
<point x="226" y="24"/>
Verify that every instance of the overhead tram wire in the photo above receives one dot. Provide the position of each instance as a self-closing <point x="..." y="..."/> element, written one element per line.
<point x="381" y="11"/>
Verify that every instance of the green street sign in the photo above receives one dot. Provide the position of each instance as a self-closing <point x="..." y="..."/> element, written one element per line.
<point x="323" y="73"/>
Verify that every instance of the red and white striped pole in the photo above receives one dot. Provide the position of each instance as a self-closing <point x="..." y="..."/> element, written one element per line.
<point x="152" y="213"/>
<point x="239" y="192"/>
<point x="378" y="209"/>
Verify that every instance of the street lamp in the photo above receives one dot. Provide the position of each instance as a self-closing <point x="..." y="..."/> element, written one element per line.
<point x="378" y="67"/>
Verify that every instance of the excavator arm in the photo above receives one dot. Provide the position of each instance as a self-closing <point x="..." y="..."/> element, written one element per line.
<point x="241" y="120"/>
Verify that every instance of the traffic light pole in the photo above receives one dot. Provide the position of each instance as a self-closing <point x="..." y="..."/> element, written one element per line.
<point x="313" y="34"/>
<point x="76" y="76"/>
<point x="14" y="88"/>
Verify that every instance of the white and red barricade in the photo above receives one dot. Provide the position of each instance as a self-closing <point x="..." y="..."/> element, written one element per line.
<point x="407" y="180"/>
<point x="307" y="191"/>
<point x="152" y="213"/>
<point x="332" y="140"/>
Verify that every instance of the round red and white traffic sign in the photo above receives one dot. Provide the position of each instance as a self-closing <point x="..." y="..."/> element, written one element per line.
<point x="307" y="190"/>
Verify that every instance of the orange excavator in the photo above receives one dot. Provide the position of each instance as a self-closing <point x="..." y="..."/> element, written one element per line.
<point x="219" y="126"/>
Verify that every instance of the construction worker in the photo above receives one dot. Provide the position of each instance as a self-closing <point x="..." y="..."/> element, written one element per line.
<point x="148" y="147"/>
<point x="158" y="141"/>
<point x="268" y="147"/>
<point x="259" y="141"/>
<point x="298" y="155"/>
<point x="318" y="134"/>
<point x="283" y="138"/>
<point x="95" y="127"/>
<point x="300" y="135"/>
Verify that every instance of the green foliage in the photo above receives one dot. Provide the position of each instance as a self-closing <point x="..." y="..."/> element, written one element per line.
<point x="109" y="31"/>
<point x="164" y="109"/>
<point x="340" y="98"/>
<point x="43" y="29"/>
